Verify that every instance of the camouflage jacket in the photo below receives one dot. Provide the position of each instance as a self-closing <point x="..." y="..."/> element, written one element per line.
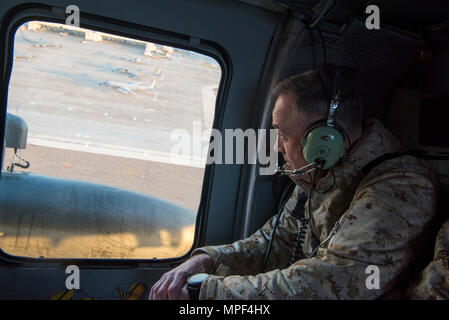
<point x="359" y="220"/>
<point x="433" y="282"/>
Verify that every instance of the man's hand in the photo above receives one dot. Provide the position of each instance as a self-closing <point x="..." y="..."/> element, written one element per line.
<point x="172" y="285"/>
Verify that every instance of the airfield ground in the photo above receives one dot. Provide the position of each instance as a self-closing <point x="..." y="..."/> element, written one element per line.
<point x="103" y="112"/>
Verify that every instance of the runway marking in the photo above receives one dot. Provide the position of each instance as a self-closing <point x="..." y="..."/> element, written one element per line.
<point x="113" y="150"/>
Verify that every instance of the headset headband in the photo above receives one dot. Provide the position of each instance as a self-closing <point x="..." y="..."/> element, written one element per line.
<point x="335" y="99"/>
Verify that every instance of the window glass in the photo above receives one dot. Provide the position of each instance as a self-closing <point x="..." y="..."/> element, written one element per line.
<point x="107" y="117"/>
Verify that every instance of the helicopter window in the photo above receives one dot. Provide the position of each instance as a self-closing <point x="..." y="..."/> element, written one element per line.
<point x="112" y="111"/>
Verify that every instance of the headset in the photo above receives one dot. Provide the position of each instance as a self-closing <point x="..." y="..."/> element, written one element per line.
<point x="324" y="141"/>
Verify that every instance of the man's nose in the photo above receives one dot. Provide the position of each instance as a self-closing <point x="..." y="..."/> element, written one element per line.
<point x="279" y="146"/>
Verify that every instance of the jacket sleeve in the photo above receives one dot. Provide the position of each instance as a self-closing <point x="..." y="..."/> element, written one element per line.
<point x="433" y="282"/>
<point x="246" y="256"/>
<point x="388" y="213"/>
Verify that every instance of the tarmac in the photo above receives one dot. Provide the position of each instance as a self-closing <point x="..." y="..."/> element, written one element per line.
<point x="103" y="112"/>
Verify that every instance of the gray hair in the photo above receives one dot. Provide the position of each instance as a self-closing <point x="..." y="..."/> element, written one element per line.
<point x="313" y="90"/>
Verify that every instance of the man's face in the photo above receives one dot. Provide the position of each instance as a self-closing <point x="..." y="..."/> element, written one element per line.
<point x="291" y="128"/>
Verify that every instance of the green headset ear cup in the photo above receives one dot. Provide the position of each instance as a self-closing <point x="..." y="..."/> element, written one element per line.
<point x="325" y="143"/>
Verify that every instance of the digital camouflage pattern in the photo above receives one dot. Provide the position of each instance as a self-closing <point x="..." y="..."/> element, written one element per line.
<point x="383" y="214"/>
<point x="434" y="280"/>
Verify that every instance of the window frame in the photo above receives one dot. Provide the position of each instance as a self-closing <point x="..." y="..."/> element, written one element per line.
<point x="26" y="13"/>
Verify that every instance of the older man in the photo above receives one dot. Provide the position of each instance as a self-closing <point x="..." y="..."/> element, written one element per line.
<point x="349" y="231"/>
